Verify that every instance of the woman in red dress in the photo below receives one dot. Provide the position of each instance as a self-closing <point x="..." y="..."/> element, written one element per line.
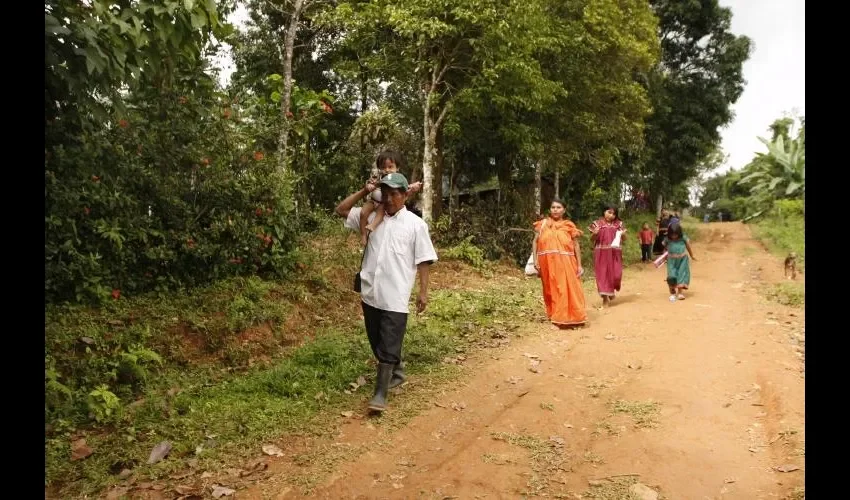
<point x="607" y="236"/>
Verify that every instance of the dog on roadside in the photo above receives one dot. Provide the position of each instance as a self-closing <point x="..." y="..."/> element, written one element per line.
<point x="791" y="266"/>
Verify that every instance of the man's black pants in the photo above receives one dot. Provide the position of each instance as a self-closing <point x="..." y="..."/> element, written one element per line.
<point x="386" y="333"/>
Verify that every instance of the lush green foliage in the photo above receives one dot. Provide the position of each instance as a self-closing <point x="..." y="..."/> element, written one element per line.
<point x="772" y="183"/>
<point x="787" y="293"/>
<point x="692" y="89"/>
<point x="98" y="370"/>
<point x="781" y="172"/>
<point x="784" y="230"/>
<point x="156" y="178"/>
<point x="175" y="193"/>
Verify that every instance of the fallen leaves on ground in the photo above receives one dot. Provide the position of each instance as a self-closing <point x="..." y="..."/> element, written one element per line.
<point x="80" y="450"/>
<point x="159" y="452"/>
<point x="273" y="450"/>
<point x="221" y="491"/>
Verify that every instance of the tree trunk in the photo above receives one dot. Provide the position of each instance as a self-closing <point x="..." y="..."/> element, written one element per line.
<point x="435" y="109"/>
<point x="503" y="170"/>
<point x="453" y="195"/>
<point x="432" y="124"/>
<point x="557" y="183"/>
<point x="307" y="170"/>
<point x="659" y="204"/>
<point x="439" y="160"/>
<point x="285" y="104"/>
<point x="364" y="89"/>
<point x="415" y="174"/>
<point x="537" y="190"/>
<point x="428" y="163"/>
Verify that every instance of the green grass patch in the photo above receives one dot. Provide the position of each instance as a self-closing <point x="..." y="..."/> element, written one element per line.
<point x="219" y="415"/>
<point x="784" y="234"/>
<point x="787" y="293"/>
<point x="124" y="345"/>
<point x="613" y="488"/>
<point x="643" y="413"/>
<point x="547" y="458"/>
<point x="99" y="360"/>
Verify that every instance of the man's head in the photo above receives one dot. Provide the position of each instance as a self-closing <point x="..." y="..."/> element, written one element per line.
<point x="393" y="192"/>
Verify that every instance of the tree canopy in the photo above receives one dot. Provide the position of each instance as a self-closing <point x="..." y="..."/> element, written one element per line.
<point x="157" y="177"/>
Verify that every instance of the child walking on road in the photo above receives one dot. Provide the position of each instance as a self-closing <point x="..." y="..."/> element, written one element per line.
<point x="606" y="234"/>
<point x="646" y="236"/>
<point x="679" y="254"/>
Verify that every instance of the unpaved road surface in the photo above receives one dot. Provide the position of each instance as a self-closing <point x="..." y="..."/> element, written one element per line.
<point x="702" y="398"/>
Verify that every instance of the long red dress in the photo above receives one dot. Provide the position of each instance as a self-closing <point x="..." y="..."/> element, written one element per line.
<point x="608" y="261"/>
<point x="562" y="292"/>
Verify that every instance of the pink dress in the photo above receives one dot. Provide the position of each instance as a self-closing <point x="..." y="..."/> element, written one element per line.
<point x="607" y="260"/>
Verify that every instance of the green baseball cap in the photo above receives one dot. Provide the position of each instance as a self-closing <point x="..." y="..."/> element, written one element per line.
<point x="395" y="180"/>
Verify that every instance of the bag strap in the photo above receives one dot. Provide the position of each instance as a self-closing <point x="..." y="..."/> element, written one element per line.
<point x="363" y="257"/>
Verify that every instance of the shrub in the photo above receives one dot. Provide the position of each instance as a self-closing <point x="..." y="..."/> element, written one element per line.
<point x="467" y="252"/>
<point x="172" y="194"/>
<point x="789" y="208"/>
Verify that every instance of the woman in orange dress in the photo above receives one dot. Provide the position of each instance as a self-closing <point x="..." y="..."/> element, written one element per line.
<point x="557" y="258"/>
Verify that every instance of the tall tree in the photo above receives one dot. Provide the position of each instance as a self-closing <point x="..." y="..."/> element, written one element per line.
<point x="693" y="87"/>
<point x="275" y="28"/>
<point x="440" y="49"/>
<point x="581" y="107"/>
<point x="610" y="47"/>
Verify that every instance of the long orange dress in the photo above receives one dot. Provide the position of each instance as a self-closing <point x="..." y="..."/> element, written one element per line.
<point x="556" y="256"/>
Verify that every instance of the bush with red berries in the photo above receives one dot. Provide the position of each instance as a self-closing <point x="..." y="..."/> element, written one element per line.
<point x="172" y="194"/>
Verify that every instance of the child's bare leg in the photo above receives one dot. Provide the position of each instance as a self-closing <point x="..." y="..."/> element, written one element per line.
<point x="379" y="217"/>
<point x="367" y="210"/>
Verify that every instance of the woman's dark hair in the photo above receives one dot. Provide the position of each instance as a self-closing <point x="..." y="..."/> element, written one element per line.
<point x="613" y="208"/>
<point x="674" y="228"/>
<point x="389" y="154"/>
<point x="559" y="202"/>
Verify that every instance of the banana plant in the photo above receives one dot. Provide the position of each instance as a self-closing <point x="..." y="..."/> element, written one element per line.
<point x="779" y="173"/>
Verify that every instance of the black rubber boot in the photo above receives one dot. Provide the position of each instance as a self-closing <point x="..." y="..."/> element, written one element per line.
<point x="398" y="377"/>
<point x="382" y="383"/>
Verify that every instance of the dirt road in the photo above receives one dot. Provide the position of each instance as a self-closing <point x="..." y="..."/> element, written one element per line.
<point x="702" y="398"/>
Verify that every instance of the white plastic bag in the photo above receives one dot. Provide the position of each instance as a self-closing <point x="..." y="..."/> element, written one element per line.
<point x="529" y="266"/>
<point x="617" y="237"/>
